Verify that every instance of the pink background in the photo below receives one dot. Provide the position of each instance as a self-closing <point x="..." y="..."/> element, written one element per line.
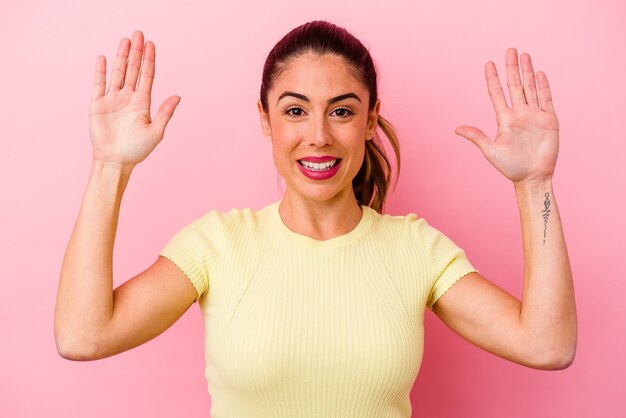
<point x="430" y="55"/>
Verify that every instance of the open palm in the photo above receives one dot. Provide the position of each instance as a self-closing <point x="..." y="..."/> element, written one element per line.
<point x="119" y="121"/>
<point x="527" y="141"/>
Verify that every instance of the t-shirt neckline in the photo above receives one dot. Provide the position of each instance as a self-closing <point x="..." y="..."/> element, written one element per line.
<point x="339" y="241"/>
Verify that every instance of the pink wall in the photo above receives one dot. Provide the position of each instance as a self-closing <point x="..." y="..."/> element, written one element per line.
<point x="430" y="55"/>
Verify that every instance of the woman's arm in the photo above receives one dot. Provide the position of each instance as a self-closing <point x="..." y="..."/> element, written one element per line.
<point x="91" y="320"/>
<point x="541" y="330"/>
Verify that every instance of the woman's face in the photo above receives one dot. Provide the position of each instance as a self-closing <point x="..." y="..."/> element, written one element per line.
<point x="318" y="122"/>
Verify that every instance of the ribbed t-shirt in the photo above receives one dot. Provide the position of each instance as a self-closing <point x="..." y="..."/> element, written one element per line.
<point x="298" y="327"/>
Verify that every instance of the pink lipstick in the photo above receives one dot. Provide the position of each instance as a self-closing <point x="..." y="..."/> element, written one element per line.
<point x="319" y="168"/>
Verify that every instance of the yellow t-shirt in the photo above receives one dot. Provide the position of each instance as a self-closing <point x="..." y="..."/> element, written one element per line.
<point x="296" y="327"/>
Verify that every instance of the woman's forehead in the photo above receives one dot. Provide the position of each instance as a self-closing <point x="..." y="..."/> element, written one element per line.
<point x="320" y="75"/>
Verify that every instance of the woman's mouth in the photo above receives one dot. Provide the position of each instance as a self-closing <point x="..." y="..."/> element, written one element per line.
<point x="318" y="166"/>
<point x="322" y="169"/>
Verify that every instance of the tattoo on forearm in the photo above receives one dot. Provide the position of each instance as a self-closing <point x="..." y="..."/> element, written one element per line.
<point x="545" y="213"/>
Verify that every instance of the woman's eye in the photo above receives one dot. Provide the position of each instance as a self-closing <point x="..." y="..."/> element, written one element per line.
<point x="294" y="111"/>
<point x="342" y="112"/>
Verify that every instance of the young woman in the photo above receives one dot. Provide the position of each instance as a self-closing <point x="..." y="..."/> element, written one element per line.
<point x="313" y="306"/>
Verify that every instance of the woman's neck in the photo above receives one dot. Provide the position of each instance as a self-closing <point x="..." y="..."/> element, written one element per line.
<point x="321" y="220"/>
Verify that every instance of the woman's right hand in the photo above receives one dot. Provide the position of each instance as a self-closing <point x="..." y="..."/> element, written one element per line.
<point x="120" y="126"/>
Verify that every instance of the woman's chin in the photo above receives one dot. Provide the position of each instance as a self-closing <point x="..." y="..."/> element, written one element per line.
<point x="319" y="193"/>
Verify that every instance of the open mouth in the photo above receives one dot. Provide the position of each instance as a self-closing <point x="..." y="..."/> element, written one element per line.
<point x="325" y="166"/>
<point x="323" y="169"/>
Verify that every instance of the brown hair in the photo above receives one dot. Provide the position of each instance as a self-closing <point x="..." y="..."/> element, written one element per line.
<point x="371" y="183"/>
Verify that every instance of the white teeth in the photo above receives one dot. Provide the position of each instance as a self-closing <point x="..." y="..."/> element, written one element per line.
<point x="318" y="166"/>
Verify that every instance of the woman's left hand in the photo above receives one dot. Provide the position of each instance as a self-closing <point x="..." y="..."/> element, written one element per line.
<point x="527" y="142"/>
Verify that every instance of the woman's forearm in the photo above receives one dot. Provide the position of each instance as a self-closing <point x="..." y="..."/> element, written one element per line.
<point x="85" y="296"/>
<point x="548" y="312"/>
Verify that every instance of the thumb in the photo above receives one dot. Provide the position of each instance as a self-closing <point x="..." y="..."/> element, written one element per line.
<point x="165" y="113"/>
<point x="475" y="135"/>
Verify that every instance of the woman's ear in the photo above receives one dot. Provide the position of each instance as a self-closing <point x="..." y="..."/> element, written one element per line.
<point x="265" y="121"/>
<point x="372" y="120"/>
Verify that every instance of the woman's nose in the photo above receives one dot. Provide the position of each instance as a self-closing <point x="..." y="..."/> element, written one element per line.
<point x="320" y="133"/>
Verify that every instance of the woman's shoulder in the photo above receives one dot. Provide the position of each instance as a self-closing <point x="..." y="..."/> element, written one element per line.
<point x="232" y="220"/>
<point x="395" y="220"/>
<point x="410" y="225"/>
<point x="217" y="230"/>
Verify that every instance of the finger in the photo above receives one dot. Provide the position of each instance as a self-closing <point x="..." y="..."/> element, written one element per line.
<point x="100" y="80"/>
<point x="513" y="80"/>
<point x="119" y="68"/>
<point x="530" y="88"/>
<point x="147" y="70"/>
<point x="545" y="95"/>
<point x="495" y="89"/>
<point x="134" y="60"/>
<point x="165" y="112"/>
<point x="475" y="135"/>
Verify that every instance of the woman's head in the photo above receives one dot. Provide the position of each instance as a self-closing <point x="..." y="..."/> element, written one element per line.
<point x="321" y="44"/>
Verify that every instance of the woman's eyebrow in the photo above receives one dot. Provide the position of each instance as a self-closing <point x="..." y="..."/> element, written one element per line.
<point x="306" y="99"/>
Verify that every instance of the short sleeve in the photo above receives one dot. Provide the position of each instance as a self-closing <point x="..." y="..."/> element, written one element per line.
<point x="448" y="262"/>
<point x="193" y="250"/>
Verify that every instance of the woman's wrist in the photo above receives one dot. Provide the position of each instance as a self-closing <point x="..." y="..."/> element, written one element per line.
<point x="534" y="195"/>
<point x="112" y="167"/>
<point x="535" y="185"/>
<point x="110" y="174"/>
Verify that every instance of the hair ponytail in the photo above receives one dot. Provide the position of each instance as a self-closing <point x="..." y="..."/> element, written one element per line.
<point x="373" y="180"/>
